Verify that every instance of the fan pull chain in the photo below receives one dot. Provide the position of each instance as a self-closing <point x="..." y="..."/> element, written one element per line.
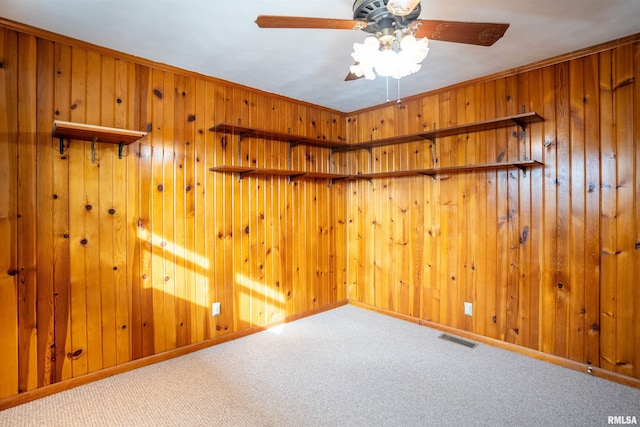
<point x="398" y="100"/>
<point x="387" y="89"/>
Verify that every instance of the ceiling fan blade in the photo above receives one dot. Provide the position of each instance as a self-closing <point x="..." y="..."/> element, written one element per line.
<point x="351" y="76"/>
<point x="270" y="21"/>
<point x="478" y="33"/>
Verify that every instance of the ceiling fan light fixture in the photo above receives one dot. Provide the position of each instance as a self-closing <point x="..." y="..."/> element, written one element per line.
<point x="401" y="7"/>
<point x="396" y="59"/>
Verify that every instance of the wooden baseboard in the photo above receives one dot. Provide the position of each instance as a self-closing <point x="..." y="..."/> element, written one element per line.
<point x="129" y="366"/>
<point x="48" y="390"/>
<point x="561" y="361"/>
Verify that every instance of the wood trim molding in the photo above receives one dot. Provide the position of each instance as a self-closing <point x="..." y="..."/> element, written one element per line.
<point x="49" y="390"/>
<point x="556" y="360"/>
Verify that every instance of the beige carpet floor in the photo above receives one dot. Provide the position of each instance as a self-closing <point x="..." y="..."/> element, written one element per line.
<point x="344" y="367"/>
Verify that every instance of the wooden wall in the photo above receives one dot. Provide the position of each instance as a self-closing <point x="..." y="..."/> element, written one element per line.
<point x="109" y="260"/>
<point x="550" y="259"/>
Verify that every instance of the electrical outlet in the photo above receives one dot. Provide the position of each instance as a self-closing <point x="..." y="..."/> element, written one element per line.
<point x="215" y="309"/>
<point x="468" y="309"/>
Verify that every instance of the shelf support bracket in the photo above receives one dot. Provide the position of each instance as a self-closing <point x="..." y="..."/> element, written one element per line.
<point x="240" y="138"/>
<point x="243" y="174"/>
<point x="434" y="151"/>
<point x="523" y="169"/>
<point x="433" y="175"/>
<point x="93" y="149"/>
<point x="120" y="146"/>
<point x="522" y="138"/>
<point x="61" y="144"/>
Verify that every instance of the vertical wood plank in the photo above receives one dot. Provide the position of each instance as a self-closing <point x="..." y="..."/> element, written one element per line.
<point x="26" y="206"/>
<point x="576" y="245"/>
<point x="536" y="236"/>
<point x="146" y="248"/>
<point x="479" y="264"/>
<point x="178" y="244"/>
<point x="526" y="322"/>
<point x="123" y="103"/>
<point x="563" y="212"/>
<point x="170" y="149"/>
<point x="61" y="249"/>
<point x="491" y="222"/>
<point x="547" y="306"/>
<point x="592" y="209"/>
<point x="76" y="154"/>
<point x="90" y="216"/>
<point x="608" y="213"/>
<point x="126" y="176"/>
<point x="107" y="232"/>
<point x="157" y="211"/>
<point x="8" y="213"/>
<point x="636" y="256"/>
<point x="623" y="97"/>
<point x="45" y="235"/>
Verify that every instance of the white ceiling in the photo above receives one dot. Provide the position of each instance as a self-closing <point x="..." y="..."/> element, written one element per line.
<point x="220" y="39"/>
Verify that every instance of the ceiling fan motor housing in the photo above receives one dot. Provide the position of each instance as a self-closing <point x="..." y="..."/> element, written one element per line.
<point x="378" y="17"/>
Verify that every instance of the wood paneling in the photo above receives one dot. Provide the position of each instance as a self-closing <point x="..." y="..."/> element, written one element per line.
<point x="9" y="371"/>
<point x="112" y="260"/>
<point x="549" y="258"/>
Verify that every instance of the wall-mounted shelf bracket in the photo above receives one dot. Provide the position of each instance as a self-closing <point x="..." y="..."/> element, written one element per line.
<point x="61" y="144"/>
<point x="522" y="167"/>
<point x="431" y="174"/>
<point x="93" y="149"/>
<point x="434" y="148"/>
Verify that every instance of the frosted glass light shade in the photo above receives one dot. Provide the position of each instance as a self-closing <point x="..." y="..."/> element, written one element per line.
<point x="389" y="60"/>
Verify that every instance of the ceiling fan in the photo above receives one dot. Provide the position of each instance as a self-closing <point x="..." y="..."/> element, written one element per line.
<point x="395" y="30"/>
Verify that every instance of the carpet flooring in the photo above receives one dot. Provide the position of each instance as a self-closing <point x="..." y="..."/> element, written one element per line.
<point x="343" y="367"/>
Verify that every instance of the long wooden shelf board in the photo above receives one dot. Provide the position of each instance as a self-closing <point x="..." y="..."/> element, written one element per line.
<point x="502" y="122"/>
<point x="87" y="132"/>
<point x="393" y="140"/>
<point x="246" y="170"/>
<point x="452" y="169"/>
<point x="280" y="136"/>
<point x="324" y="175"/>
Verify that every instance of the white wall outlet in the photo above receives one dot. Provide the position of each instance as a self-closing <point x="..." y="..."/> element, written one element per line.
<point x="215" y="309"/>
<point x="468" y="309"/>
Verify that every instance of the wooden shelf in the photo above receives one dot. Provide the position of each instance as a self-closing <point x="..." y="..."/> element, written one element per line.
<point x="81" y="131"/>
<point x="502" y="122"/>
<point x="244" y="171"/>
<point x="98" y="133"/>
<point x="522" y="165"/>
<point x="517" y="120"/>
<point x="244" y="131"/>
